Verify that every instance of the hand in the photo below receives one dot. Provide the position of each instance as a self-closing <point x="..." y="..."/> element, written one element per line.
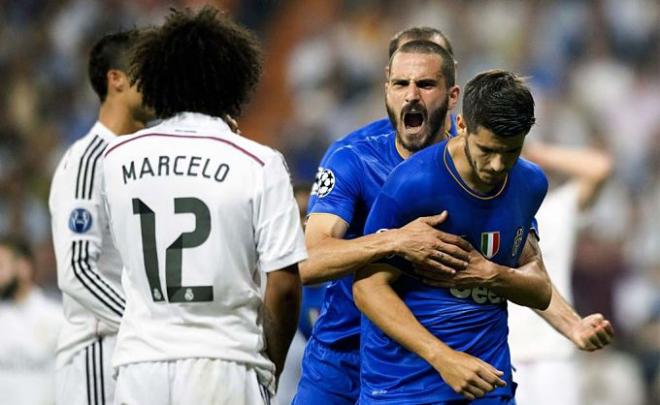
<point x="479" y="273"/>
<point x="468" y="375"/>
<point x="592" y="333"/>
<point x="428" y="248"/>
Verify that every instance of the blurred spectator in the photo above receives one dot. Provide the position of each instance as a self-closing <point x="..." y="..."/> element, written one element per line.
<point x="30" y="324"/>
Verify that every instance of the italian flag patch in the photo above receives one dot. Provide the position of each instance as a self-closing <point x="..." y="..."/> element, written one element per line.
<point x="490" y="243"/>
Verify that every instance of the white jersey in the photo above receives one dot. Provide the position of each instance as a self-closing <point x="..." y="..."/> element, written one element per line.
<point x="198" y="213"/>
<point x="88" y="265"/>
<point x="27" y="350"/>
<point x="530" y="337"/>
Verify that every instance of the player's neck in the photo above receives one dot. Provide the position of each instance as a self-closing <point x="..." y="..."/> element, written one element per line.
<point x="456" y="147"/>
<point x="118" y="118"/>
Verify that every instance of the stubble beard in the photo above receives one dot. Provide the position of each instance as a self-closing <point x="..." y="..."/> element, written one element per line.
<point x="435" y="125"/>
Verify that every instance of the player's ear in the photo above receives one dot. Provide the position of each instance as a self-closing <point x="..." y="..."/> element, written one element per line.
<point x="117" y="81"/>
<point x="454" y="93"/>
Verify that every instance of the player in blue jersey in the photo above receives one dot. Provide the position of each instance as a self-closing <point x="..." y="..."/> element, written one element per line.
<point x="384" y="125"/>
<point x="352" y="179"/>
<point x="422" y="344"/>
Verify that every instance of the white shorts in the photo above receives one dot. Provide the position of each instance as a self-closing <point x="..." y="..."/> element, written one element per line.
<point x="547" y="383"/>
<point x="87" y="380"/>
<point x="189" y="382"/>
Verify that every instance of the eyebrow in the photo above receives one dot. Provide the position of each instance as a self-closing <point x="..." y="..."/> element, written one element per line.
<point x="500" y="150"/>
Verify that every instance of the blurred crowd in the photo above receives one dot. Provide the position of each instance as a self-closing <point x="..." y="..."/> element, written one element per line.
<point x="594" y="67"/>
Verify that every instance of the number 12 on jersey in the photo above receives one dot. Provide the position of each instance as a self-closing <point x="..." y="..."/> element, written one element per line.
<point x="175" y="291"/>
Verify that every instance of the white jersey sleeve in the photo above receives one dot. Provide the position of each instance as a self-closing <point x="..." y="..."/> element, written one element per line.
<point x="277" y="219"/>
<point x="88" y="265"/>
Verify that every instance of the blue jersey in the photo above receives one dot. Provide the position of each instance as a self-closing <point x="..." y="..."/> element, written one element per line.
<point x="357" y="171"/>
<point x="352" y="176"/>
<point x="378" y="127"/>
<point x="473" y="320"/>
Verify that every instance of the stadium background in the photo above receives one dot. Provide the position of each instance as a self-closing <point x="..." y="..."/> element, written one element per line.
<point x="594" y="67"/>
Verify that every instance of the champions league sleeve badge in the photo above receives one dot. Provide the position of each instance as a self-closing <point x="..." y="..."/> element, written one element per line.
<point x="325" y="182"/>
<point x="80" y="220"/>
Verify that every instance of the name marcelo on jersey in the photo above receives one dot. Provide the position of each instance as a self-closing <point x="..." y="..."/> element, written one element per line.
<point x="179" y="165"/>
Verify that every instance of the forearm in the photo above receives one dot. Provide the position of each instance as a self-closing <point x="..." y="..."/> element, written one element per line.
<point x="281" y="309"/>
<point x="386" y="310"/>
<point x="527" y="285"/>
<point x="333" y="258"/>
<point x="560" y="315"/>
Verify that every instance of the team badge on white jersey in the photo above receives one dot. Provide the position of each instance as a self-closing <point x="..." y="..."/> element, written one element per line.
<point x="80" y="220"/>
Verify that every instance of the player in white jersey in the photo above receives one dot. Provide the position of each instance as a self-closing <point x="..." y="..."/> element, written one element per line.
<point x="30" y="323"/>
<point x="202" y="217"/>
<point x="88" y="265"/>
<point x="539" y="354"/>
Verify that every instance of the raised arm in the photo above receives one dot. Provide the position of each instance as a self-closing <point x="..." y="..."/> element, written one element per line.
<point x="331" y="256"/>
<point x="374" y="296"/>
<point x="588" y="166"/>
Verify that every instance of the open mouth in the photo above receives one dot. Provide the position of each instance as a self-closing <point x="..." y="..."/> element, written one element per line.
<point x="413" y="119"/>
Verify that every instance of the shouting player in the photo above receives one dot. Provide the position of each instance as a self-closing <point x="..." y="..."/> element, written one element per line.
<point x="202" y="217"/>
<point x="88" y="265"/>
<point x="422" y="344"/>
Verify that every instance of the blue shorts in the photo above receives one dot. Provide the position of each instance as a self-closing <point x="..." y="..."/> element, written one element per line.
<point x="328" y="377"/>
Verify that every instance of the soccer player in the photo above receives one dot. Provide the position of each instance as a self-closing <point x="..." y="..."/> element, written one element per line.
<point x="538" y="353"/>
<point x="201" y="217"/>
<point x="30" y="324"/>
<point x="384" y="125"/>
<point x="349" y="183"/>
<point x="422" y="344"/>
<point x="88" y="265"/>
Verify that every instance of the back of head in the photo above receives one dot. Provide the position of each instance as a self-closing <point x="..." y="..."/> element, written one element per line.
<point x="419" y="34"/>
<point x="112" y="51"/>
<point x="427" y="47"/>
<point x="198" y="62"/>
<point x="500" y="102"/>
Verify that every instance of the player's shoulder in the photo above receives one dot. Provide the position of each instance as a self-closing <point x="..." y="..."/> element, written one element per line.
<point x="532" y="175"/>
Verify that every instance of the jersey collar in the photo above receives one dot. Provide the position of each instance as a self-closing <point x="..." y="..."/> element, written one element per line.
<point x="104" y="132"/>
<point x="198" y="120"/>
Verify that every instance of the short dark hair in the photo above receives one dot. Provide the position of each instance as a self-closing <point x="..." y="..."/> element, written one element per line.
<point x="110" y="52"/>
<point x="201" y="62"/>
<point x="499" y="101"/>
<point x="416" y="34"/>
<point x="18" y="246"/>
<point x="427" y="47"/>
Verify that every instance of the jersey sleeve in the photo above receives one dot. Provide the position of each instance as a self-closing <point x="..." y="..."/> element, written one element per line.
<point x="539" y="191"/>
<point x="337" y="189"/>
<point x="78" y="222"/>
<point x="278" y="232"/>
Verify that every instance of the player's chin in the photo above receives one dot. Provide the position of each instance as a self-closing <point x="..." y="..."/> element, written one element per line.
<point x="415" y="139"/>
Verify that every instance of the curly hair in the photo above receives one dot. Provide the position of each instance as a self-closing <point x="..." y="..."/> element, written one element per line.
<point x="201" y="62"/>
<point x="498" y="101"/>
